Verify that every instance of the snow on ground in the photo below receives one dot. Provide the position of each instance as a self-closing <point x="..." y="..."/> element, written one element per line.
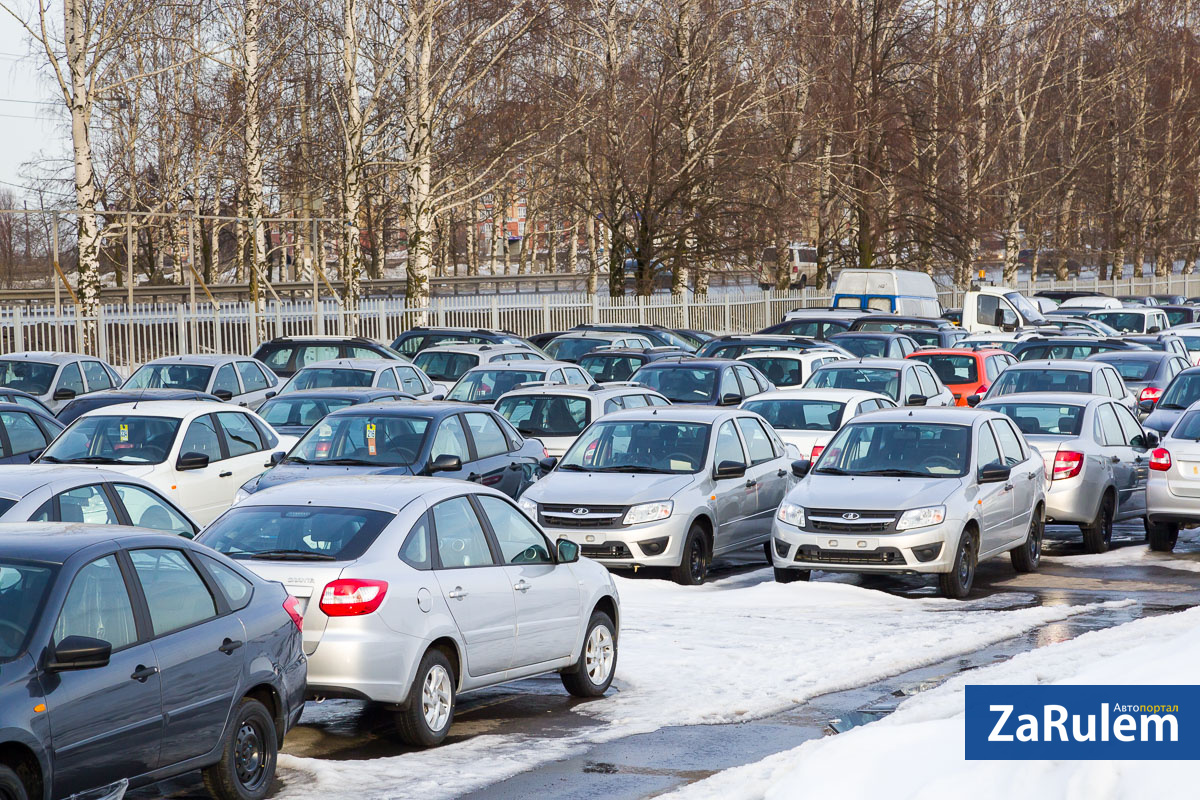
<point x="1139" y="555"/>
<point x="917" y="752"/>
<point x="734" y="649"/>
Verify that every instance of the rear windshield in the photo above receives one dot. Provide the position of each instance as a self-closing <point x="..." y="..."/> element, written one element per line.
<point x="442" y="366"/>
<point x="1045" y="419"/>
<point x="865" y="379"/>
<point x="295" y="533"/>
<point x="306" y="411"/>
<point x="605" y="368"/>
<point x="23" y="589"/>
<point x="680" y="384"/>
<point x="733" y="350"/>
<point x="1019" y="381"/>
<point x="798" y="415"/>
<point x="779" y="371"/>
<point x="33" y="377"/>
<point x="486" y="385"/>
<point x="571" y="348"/>
<point x="1178" y="316"/>
<point x="1135" y="370"/>
<point x="543" y="415"/>
<point x="171" y="376"/>
<point x="863" y="346"/>
<point x="1123" y="321"/>
<point x="952" y="368"/>
<point x="327" y="377"/>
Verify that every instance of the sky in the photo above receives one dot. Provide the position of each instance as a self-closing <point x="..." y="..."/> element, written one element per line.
<point x="30" y="119"/>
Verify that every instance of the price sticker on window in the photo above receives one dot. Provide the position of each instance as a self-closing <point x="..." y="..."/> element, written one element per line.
<point x="371" y="439"/>
<point x="124" y="433"/>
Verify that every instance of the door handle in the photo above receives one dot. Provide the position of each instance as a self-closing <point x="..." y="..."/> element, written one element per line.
<point x="143" y="674"/>
<point x="474" y="476"/>
<point x="457" y="593"/>
<point x="1008" y="487"/>
<point x="1115" y="459"/>
<point x="751" y="484"/>
<point x="225" y="474"/>
<point x="515" y="465"/>
<point x="781" y="473"/>
<point x="522" y="586"/>
<point x="229" y="645"/>
<point x="1031" y="476"/>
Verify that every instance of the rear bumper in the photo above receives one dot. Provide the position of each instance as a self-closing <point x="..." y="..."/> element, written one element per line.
<point x="1164" y="505"/>
<point x="1073" y="500"/>
<point x="370" y="667"/>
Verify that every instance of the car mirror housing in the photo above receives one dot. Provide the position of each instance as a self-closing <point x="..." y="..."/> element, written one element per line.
<point x="994" y="473"/>
<point x="190" y="461"/>
<point x="446" y="463"/>
<point x="568" y="551"/>
<point x="64" y="394"/>
<point x="223" y="394"/>
<point x="801" y="468"/>
<point x="729" y="469"/>
<point x="730" y="399"/>
<point x="437" y="397"/>
<point x="277" y="458"/>
<point x="548" y="463"/>
<point x="80" y="652"/>
<point x="1147" y="405"/>
<point x="916" y="400"/>
<point x="1145" y="441"/>
<point x="974" y="400"/>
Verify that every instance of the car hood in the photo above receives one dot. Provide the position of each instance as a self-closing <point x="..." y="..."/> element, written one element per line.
<point x="286" y="473"/>
<point x="607" y="488"/>
<point x="1161" y="419"/>
<point x="134" y="470"/>
<point x="872" y="492"/>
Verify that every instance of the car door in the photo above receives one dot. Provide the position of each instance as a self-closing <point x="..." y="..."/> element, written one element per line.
<point x="1134" y="437"/>
<point x="199" y="648"/>
<point x="106" y="722"/>
<point x="450" y="439"/>
<point x="145" y="508"/>
<point x="771" y="481"/>
<point x="20" y="437"/>
<point x="476" y="587"/>
<point x="202" y="493"/>
<point x="244" y="450"/>
<point x="995" y="499"/>
<point x="493" y="464"/>
<point x="1025" y="473"/>
<point x="1115" y="448"/>
<point x="732" y="500"/>
<point x="546" y="593"/>
<point x="69" y="386"/>
<point x="255" y="384"/>
<point x="225" y="384"/>
<point x="96" y="376"/>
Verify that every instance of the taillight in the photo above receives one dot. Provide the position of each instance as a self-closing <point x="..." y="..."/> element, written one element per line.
<point x="351" y="597"/>
<point x="1150" y="393"/>
<point x="816" y="451"/>
<point x="292" y="607"/>
<point x="981" y="390"/>
<point x="1160" y="460"/>
<point x="1067" y="464"/>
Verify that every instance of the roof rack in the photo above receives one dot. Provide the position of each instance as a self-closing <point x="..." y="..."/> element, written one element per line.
<point x="600" y="387"/>
<point x="535" y="385"/>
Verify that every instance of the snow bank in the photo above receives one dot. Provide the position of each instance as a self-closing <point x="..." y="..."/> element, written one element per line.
<point x="917" y="752"/>
<point x="1139" y="555"/>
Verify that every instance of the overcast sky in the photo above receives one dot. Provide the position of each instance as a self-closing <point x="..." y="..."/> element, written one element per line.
<point x="30" y="119"/>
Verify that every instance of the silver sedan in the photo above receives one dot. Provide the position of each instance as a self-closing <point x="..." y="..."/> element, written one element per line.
<point x="1173" y="489"/>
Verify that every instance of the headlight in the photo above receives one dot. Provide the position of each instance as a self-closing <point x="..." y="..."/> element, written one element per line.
<point x="648" y="512"/>
<point x="528" y="506"/>
<point x="920" y="517"/>
<point x="792" y="514"/>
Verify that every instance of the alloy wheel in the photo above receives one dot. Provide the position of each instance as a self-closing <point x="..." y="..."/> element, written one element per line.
<point x="598" y="655"/>
<point x="435" y="698"/>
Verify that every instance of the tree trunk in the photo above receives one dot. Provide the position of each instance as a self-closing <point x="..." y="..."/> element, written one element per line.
<point x="80" y="101"/>
<point x="254" y="161"/>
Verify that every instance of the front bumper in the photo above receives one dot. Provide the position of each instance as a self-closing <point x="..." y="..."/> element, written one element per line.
<point x="622" y="547"/>
<point x="793" y="548"/>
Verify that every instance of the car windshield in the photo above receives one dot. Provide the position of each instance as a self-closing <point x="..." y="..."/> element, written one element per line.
<point x="1183" y="391"/>
<point x="639" y="446"/>
<point x="33" y="377"/>
<point x="306" y="411"/>
<point x="362" y="440"/>
<point x="328" y="377"/>
<point x="864" y="379"/>
<point x="779" y="371"/>
<point x="295" y="533"/>
<point x="889" y="325"/>
<point x="1123" y="321"/>
<point x="545" y="415"/>
<point x="863" y="346"/>
<point x="1042" y="419"/>
<point x="898" y="449"/>
<point x="114" y="440"/>
<point x="485" y="385"/>
<point x="443" y="366"/>
<point x="171" y="376"/>
<point x="798" y="415"/>
<point x="1132" y="370"/>
<point x="1018" y="381"/>
<point x="605" y="368"/>
<point x="81" y="405"/>
<point x="23" y="587"/>
<point x="714" y="350"/>
<point x="1028" y="310"/>
<point x="680" y="384"/>
<point x="926" y="337"/>
<point x="951" y="369"/>
<point x="1177" y="316"/>
<point x="572" y="348"/>
<point x="987" y="344"/>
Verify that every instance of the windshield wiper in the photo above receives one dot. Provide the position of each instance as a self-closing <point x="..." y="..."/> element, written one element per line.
<point x="572" y="467"/>
<point x="634" y="468"/>
<point x="296" y="460"/>
<point x="831" y="471"/>
<point x="352" y="462"/>
<point x="89" y="460"/>
<point x="51" y="459"/>
<point x="897" y="473"/>
<point x="292" y="555"/>
<point x="1175" y="406"/>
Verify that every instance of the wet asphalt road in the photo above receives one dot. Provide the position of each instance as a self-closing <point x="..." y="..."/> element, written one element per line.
<point x="646" y="765"/>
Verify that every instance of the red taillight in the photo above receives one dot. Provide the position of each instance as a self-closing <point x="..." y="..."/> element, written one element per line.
<point x="981" y="390"/>
<point x="1067" y="464"/>
<point x="1160" y="460"/>
<point x="816" y="451"/>
<point x="292" y="607"/>
<point x="1150" y="393"/>
<point x="350" y="597"/>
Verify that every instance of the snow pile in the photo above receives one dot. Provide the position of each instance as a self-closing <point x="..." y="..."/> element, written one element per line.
<point x="1137" y="556"/>
<point x="917" y="752"/>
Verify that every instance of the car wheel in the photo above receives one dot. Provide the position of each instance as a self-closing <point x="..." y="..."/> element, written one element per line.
<point x="767" y="552"/>
<point x="431" y="700"/>
<point x="597" y="664"/>
<point x="1027" y="557"/>
<point x="1097" y="535"/>
<point x="11" y="787"/>
<point x="956" y="584"/>
<point x="693" y="563"/>
<point x="786" y="575"/>
<point x="248" y="755"/>
<point x="1162" y="536"/>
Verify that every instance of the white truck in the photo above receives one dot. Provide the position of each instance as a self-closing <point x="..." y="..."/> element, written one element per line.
<point x="990" y="309"/>
<point x="893" y="291"/>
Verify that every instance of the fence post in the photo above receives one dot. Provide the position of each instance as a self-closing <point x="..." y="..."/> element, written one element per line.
<point x="495" y="312"/>
<point x="252" y="328"/>
<point x="641" y="309"/>
<point x="441" y="311"/>
<point x="687" y="308"/>
<point x="218" y="345"/>
<point x="728" y="317"/>
<point x="101" y="335"/>
<point x="181" y="330"/>
<point x="18" y="330"/>
<point x="546" y="313"/>
<point x="595" y="309"/>
<point x="54" y="280"/>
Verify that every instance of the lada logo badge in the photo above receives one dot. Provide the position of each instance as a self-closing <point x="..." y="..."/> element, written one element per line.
<point x="850" y="515"/>
<point x="580" y="512"/>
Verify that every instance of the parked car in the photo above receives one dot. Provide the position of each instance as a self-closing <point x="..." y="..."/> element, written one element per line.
<point x="665" y="487"/>
<point x="737" y="345"/>
<point x="24" y="399"/>
<point x="454" y="440"/>
<point x="495" y="599"/>
<point x="1095" y="454"/>
<point x="485" y="385"/>
<point x="906" y="382"/>
<point x="556" y="415"/>
<point x="820" y="325"/>
<point x="658" y="335"/>
<point x="573" y="346"/>
<point x="194" y="452"/>
<point x="888" y="323"/>
<point x="540" y="340"/>
<point x="230" y="378"/>
<point x="1190" y="334"/>
<point x="1131" y="301"/>
<point x="74" y="409"/>
<point x="373" y="372"/>
<point x="1169" y="299"/>
<point x="1133" y="320"/>
<point x="1167" y="341"/>
<point x="416" y="339"/>
<point x="287" y="354"/>
<point x="703" y="381"/>
<point x="295" y="413"/>
<point x="1173" y="482"/>
<point x="1072" y="377"/>
<point x="930" y="491"/>
<point x="24" y="433"/>
<point x="694" y="337"/>
<point x="1181" y="314"/>
<point x="808" y="418"/>
<point x="1145" y="374"/>
<point x="1078" y="322"/>
<point x="965" y="372"/>
<point x="1180" y="394"/>
<point x="135" y="656"/>
<point x="1061" y="296"/>
<point x="55" y="378"/>
<point x="934" y="337"/>
<point x="606" y="365"/>
<point x="994" y="340"/>
<point x="790" y="368"/>
<point x="875" y="345"/>
<point x="1089" y="303"/>
<point x="446" y="363"/>
<point x="58" y="493"/>
<point x="1040" y="347"/>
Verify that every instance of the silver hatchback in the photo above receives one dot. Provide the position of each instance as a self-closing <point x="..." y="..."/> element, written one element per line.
<point x="1173" y="489"/>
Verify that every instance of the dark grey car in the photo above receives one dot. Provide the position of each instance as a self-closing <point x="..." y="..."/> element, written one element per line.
<point x="139" y="656"/>
<point x="1146" y="374"/>
<point x="1169" y="407"/>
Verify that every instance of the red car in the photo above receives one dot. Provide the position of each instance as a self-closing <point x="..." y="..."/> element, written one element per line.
<point x="965" y="372"/>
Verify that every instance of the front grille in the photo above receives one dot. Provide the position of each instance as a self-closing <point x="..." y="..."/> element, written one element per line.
<point x="565" y="516"/>
<point x="815" y="555"/>
<point x="831" y="520"/>
<point x="611" y="550"/>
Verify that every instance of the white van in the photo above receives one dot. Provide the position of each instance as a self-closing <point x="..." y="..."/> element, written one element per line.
<point x="894" y="291"/>
<point x="998" y="308"/>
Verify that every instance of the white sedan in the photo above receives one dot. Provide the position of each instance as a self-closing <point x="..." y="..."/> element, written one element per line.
<point x="239" y="379"/>
<point x="370" y="372"/>
<point x="808" y="418"/>
<point x="195" y="453"/>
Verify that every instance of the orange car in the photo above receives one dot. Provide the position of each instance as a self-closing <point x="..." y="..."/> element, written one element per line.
<point x="965" y="372"/>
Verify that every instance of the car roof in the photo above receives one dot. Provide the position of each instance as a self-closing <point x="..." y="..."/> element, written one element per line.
<point x="368" y="364"/>
<point x="449" y="329"/>
<point x="787" y="338"/>
<point x="1134" y="355"/>
<point x="1056" y="398"/>
<point x="160" y="408"/>
<point x="692" y="362"/>
<point x="207" y="359"/>
<point x="55" y="542"/>
<point x="874" y="363"/>
<point x="48" y="356"/>
<point x="378" y="492"/>
<point x="595" y="390"/>
<point x="1076" y="364"/>
<point x="339" y="391"/>
<point x="155" y="395"/>
<point x="982" y="352"/>
<point x="521" y="366"/>
<point x="18" y="480"/>
<point x="871" y="335"/>
<point x="676" y="413"/>
<point x="952" y="415"/>
<point x="653" y="352"/>
<point x="800" y="393"/>
<point x="325" y="338"/>
<point x="796" y="355"/>
<point x="438" y="409"/>
<point x="467" y="347"/>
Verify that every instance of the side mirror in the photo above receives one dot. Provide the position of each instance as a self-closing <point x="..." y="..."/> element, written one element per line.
<point x="445" y="463"/>
<point x="801" y="468"/>
<point x="568" y="551"/>
<point x="916" y="400"/>
<point x="547" y="464"/>
<point x="730" y="399"/>
<point x="63" y="394"/>
<point x="439" y="397"/>
<point x="1008" y="320"/>
<point x="729" y="469"/>
<point x="1154" y="329"/>
<point x="269" y="395"/>
<point x="994" y="473"/>
<point x="223" y="394"/>
<point x="1144" y="441"/>
<point x="1147" y="405"/>
<point x="190" y="461"/>
<point x="80" y="652"/>
<point x="34" y="455"/>
<point x="974" y="400"/>
<point x="277" y="458"/>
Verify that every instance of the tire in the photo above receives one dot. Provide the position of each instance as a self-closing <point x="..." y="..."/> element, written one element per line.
<point x="1162" y="536"/>
<point x="597" y="663"/>
<point x="786" y="575"/>
<point x="431" y="702"/>
<point x="693" y="561"/>
<point x="956" y="584"/>
<point x="767" y="552"/>
<point x="1097" y="535"/>
<point x="11" y="787"/>
<point x="1027" y="557"/>
<point x="248" y="755"/>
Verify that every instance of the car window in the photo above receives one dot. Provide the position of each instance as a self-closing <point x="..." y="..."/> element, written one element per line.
<point x="987" y="452"/>
<point x="24" y="435"/>
<point x="991" y="368"/>
<point x="1115" y="385"/>
<point x="87" y="504"/>
<point x="489" y="439"/>
<point x="415" y="550"/>
<point x="387" y="380"/>
<point x="1010" y="443"/>
<point x="520" y="542"/>
<point x="615" y="404"/>
<point x="241" y="437"/>
<point x="358" y="351"/>
<point x="410" y="381"/>
<point x="312" y="353"/>
<point x="656" y="400"/>
<point x="556" y="377"/>
<point x="411" y="345"/>
<point x="1108" y="427"/>
<point x="987" y="307"/>
<point x="201" y="437"/>
<point x="226" y="380"/>
<point x="758" y="443"/>
<point x="253" y="379"/>
<point x="634" y="400"/>
<point x="237" y="590"/>
<point x="925" y="380"/>
<point x="98" y="606"/>
<point x="175" y="593"/>
<point x="148" y="510"/>
<point x="750" y="385"/>
<point x="71" y="378"/>
<point x="277" y="357"/>
<point x="729" y="447"/>
<point x="461" y="541"/>
<point x="576" y="377"/>
<point x="450" y="440"/>
<point x="729" y="384"/>
<point x="1130" y="429"/>
<point x="97" y="376"/>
